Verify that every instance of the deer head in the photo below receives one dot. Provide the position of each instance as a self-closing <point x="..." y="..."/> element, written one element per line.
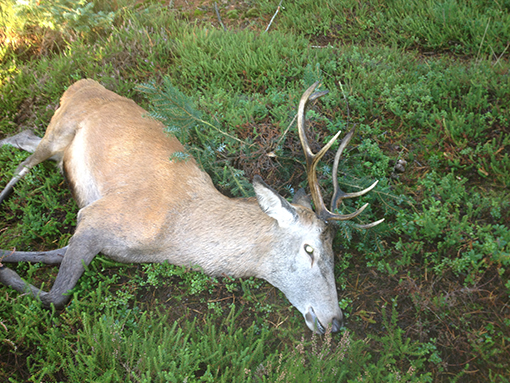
<point x="320" y="251"/>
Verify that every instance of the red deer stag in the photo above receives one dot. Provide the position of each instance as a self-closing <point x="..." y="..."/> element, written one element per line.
<point x="137" y="205"/>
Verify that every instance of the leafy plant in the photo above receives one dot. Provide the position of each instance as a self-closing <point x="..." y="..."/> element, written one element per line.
<point x="477" y="244"/>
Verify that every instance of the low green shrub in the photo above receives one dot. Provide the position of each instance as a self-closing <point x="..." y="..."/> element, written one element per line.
<point x="455" y="229"/>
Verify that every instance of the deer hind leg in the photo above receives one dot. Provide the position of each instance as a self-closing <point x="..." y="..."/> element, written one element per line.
<point x="49" y="147"/>
<point x="28" y="141"/>
<point x="25" y="140"/>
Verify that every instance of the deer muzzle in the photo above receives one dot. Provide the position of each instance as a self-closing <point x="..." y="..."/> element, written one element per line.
<point x="313" y="322"/>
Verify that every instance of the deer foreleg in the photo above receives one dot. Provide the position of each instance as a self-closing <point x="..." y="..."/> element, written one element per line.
<point x="78" y="255"/>
<point x="52" y="257"/>
<point x="11" y="278"/>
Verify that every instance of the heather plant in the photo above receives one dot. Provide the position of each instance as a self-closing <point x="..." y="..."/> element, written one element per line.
<point x="477" y="28"/>
<point x="426" y="85"/>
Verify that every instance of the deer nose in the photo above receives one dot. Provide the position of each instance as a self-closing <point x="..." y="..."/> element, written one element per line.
<point x="315" y="324"/>
<point x="337" y="324"/>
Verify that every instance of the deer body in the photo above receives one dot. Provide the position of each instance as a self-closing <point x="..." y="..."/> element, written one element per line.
<point x="137" y="206"/>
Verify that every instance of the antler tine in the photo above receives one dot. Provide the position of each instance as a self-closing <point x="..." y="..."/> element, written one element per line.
<point x="313" y="159"/>
<point x="369" y="225"/>
<point x="338" y="194"/>
<point x="307" y="96"/>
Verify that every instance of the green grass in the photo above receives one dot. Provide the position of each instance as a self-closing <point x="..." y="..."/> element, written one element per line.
<point x="426" y="293"/>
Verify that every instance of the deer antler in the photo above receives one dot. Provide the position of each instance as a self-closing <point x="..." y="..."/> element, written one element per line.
<point x="311" y="166"/>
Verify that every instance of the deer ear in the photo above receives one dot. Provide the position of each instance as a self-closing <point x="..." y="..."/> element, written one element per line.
<point x="301" y="198"/>
<point x="273" y="204"/>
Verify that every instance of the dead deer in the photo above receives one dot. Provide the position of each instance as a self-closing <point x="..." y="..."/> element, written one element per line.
<point x="137" y="205"/>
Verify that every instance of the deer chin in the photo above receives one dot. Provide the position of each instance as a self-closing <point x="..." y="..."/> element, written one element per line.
<point x="314" y="324"/>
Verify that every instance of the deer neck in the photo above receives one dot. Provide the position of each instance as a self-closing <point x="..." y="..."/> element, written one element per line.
<point x="235" y="238"/>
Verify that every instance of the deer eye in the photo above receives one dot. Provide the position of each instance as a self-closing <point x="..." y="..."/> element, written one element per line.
<point x="309" y="251"/>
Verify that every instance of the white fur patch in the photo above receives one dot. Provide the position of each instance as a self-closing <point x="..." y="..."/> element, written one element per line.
<point x="79" y="170"/>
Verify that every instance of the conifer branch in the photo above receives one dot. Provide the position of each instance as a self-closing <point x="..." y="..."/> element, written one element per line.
<point x="177" y="111"/>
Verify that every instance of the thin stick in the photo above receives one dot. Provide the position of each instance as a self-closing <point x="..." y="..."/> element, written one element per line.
<point x="483" y="38"/>
<point x="218" y="14"/>
<point x="221" y="131"/>
<point x="499" y="58"/>
<point x="290" y="125"/>
<point x="346" y="101"/>
<point x="286" y="131"/>
<point x="277" y="10"/>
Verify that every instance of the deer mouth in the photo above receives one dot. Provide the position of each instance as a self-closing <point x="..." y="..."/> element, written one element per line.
<point x="315" y="324"/>
<point x="313" y="321"/>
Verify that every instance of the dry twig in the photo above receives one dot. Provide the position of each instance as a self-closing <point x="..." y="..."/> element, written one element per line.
<point x="277" y="10"/>
<point x="218" y="14"/>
